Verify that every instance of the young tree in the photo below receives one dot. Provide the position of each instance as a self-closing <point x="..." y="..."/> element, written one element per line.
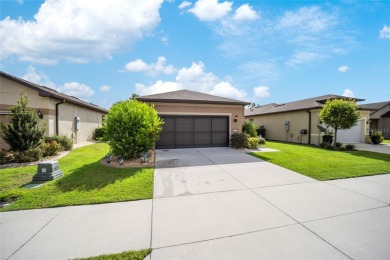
<point x="23" y="132"/>
<point x="340" y="114"/>
<point x="132" y="127"/>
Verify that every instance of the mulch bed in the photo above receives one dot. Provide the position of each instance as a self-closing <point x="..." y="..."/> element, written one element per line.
<point x="129" y="163"/>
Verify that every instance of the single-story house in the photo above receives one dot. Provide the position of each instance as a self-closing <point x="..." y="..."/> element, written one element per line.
<point x="62" y="114"/>
<point x="299" y="121"/>
<point x="193" y="119"/>
<point x="379" y="117"/>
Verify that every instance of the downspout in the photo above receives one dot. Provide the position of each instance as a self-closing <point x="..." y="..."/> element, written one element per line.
<point x="309" y="132"/>
<point x="57" y="120"/>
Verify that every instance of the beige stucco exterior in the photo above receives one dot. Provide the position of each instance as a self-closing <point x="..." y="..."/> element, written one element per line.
<point x="204" y="109"/>
<point x="90" y="119"/>
<point x="298" y="120"/>
<point x="381" y="121"/>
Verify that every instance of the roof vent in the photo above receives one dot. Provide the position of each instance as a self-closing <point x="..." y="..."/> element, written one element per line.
<point x="279" y="105"/>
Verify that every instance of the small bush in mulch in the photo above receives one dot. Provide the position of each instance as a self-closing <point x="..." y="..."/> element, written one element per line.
<point x="115" y="161"/>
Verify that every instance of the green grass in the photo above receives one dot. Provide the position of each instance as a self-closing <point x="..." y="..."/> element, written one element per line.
<point x="85" y="181"/>
<point x="386" y="141"/>
<point x="128" y="255"/>
<point x="322" y="164"/>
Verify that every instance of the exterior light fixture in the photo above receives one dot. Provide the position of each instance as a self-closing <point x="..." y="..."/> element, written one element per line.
<point x="39" y="113"/>
<point x="368" y="121"/>
<point x="236" y="119"/>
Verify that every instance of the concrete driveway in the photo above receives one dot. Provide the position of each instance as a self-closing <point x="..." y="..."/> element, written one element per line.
<point x="220" y="203"/>
<point x="377" y="148"/>
<point x="216" y="203"/>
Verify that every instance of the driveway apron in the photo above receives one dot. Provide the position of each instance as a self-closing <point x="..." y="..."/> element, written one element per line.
<point x="221" y="203"/>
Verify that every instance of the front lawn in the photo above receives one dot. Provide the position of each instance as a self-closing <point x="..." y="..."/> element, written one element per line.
<point x="85" y="181"/>
<point x="322" y="164"/>
<point x="386" y="141"/>
<point x="128" y="255"/>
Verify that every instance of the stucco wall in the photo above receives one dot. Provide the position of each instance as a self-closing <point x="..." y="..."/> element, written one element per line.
<point x="205" y="109"/>
<point x="298" y="120"/>
<point x="90" y="119"/>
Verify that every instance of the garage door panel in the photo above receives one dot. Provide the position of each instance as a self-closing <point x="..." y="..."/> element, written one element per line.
<point x="220" y="139"/>
<point x="194" y="131"/>
<point x="167" y="140"/>
<point x="220" y="124"/>
<point x="202" y="124"/>
<point x="169" y="124"/>
<point x="352" y="135"/>
<point x="202" y="139"/>
<point x="184" y="124"/>
<point x="184" y="140"/>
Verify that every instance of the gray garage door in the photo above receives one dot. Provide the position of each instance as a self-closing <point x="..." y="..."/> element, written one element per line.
<point x="194" y="131"/>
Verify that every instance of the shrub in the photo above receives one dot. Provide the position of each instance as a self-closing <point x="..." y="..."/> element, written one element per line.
<point x="253" y="143"/>
<point x="326" y="145"/>
<point x="132" y="127"/>
<point x="65" y="142"/>
<point x="350" y="147"/>
<point x="249" y="129"/>
<point x="328" y="139"/>
<point x="239" y="141"/>
<point x="6" y="157"/>
<point x="376" y="137"/>
<point x="338" y="145"/>
<point x="342" y="148"/>
<point x="260" y="131"/>
<point x="261" y="141"/>
<point x="98" y="134"/>
<point x="23" y="131"/>
<point x="50" y="148"/>
<point x="31" y="155"/>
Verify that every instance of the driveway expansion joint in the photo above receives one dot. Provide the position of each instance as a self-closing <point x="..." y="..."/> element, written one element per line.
<point x="36" y="233"/>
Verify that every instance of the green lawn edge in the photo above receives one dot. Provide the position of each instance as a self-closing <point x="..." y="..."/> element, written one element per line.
<point x="322" y="164"/>
<point x="127" y="255"/>
<point x="86" y="181"/>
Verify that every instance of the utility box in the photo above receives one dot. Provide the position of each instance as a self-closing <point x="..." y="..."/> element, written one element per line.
<point x="287" y="125"/>
<point x="77" y="123"/>
<point x="47" y="171"/>
<point x="303" y="132"/>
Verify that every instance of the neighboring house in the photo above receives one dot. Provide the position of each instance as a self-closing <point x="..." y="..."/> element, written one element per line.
<point x="59" y="112"/>
<point x="379" y="117"/>
<point x="193" y="119"/>
<point x="298" y="121"/>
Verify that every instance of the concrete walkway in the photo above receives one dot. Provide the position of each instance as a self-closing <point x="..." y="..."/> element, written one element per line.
<point x="216" y="203"/>
<point x="377" y="148"/>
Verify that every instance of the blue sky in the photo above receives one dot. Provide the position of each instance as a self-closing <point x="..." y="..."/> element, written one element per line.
<point x="259" y="51"/>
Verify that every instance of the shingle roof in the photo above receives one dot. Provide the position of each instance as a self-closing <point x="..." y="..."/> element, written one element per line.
<point x="304" y="104"/>
<point x="49" y="92"/>
<point x="188" y="96"/>
<point x="374" y="106"/>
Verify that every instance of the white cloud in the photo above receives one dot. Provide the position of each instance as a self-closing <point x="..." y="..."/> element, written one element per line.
<point x="211" y="10"/>
<point x="105" y="88"/>
<point x="307" y="18"/>
<point x="77" y="90"/>
<point x="78" y="31"/>
<point x="152" y="69"/>
<point x="184" y="4"/>
<point x="343" y="69"/>
<point x="385" y="32"/>
<point x="38" y="78"/>
<point x="193" y="78"/>
<point x="303" y="57"/>
<point x="164" y="40"/>
<point x="348" y="93"/>
<point x="261" y="91"/>
<point x="264" y="71"/>
<point x="245" y="12"/>
<point x="72" y="88"/>
<point x="225" y="89"/>
<point x="20" y="2"/>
